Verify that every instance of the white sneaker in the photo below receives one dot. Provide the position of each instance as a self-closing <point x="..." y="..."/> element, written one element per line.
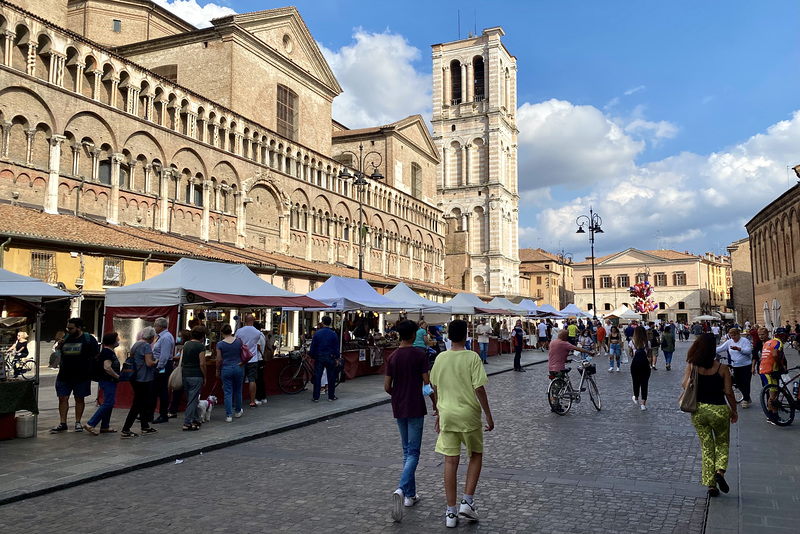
<point x="262" y="401"/>
<point x="745" y="404"/>
<point x="397" y="505"/>
<point x="238" y="414"/>
<point x="610" y="369"/>
<point x="618" y="369"/>
<point x="411" y="501"/>
<point x="228" y="419"/>
<point x="257" y="402"/>
<point x="643" y="407"/>
<point x="451" y="520"/>
<point x="635" y="400"/>
<point x="468" y="511"/>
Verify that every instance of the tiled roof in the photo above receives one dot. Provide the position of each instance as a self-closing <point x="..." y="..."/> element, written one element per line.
<point x="665" y="254"/>
<point x="535" y="254"/>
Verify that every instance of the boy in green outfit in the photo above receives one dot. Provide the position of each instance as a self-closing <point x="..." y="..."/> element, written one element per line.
<point x="458" y="378"/>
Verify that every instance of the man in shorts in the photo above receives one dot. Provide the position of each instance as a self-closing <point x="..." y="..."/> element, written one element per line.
<point x="772" y="364"/>
<point x="78" y="351"/>
<point x="250" y="335"/>
<point x="458" y="378"/>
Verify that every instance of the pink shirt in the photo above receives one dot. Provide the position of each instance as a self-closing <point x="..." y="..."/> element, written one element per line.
<point x="559" y="352"/>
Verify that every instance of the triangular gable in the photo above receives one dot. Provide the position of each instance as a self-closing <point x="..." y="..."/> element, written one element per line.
<point x="414" y="129"/>
<point x="271" y="25"/>
<point x="632" y="255"/>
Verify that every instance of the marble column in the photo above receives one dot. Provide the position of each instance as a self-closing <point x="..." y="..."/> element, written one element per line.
<point x="98" y="81"/>
<point x="164" y="211"/>
<point x="205" y="226"/>
<point x="6" y="136"/>
<point x="8" y="38"/>
<point x="30" y="136"/>
<point x="463" y="94"/>
<point x="467" y="164"/>
<point x="241" y="232"/>
<point x="51" y="197"/>
<point x="113" y="201"/>
<point x="448" y="96"/>
<point x="78" y="78"/>
<point x="30" y="66"/>
<point x="76" y="159"/>
<point x="470" y="81"/>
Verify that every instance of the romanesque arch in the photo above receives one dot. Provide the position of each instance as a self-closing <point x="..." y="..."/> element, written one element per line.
<point x="88" y="124"/>
<point x="21" y="101"/>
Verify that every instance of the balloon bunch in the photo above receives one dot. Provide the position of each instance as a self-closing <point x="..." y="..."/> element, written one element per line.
<point x="644" y="303"/>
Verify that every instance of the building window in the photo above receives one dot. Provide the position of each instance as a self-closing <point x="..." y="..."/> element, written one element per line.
<point x="640" y="277"/>
<point x="679" y="279"/>
<point x="287" y="113"/>
<point x="662" y="305"/>
<point x="117" y="26"/>
<point x="607" y="306"/>
<point x="661" y="279"/>
<point x="623" y="281"/>
<point x="416" y="180"/>
<point x="538" y="280"/>
<point x="681" y="305"/>
<point x="605" y="282"/>
<point x="43" y="266"/>
<point x="113" y="272"/>
<point x="587" y="282"/>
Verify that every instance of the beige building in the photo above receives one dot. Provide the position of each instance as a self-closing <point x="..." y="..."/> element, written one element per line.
<point x="475" y="132"/>
<point x="742" y="301"/>
<point x="223" y="135"/>
<point x="775" y="257"/>
<point x="551" y="278"/>
<point x="684" y="285"/>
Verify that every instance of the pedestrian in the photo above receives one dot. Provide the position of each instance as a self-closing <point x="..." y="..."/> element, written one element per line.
<point x="572" y="332"/>
<point x="249" y="335"/>
<point x="193" y="364"/>
<point x="106" y="373"/>
<point x="458" y="379"/>
<point x="421" y="336"/>
<point x="265" y="353"/>
<point x="483" y="332"/>
<point x="406" y="374"/>
<point x="163" y="352"/>
<point x="601" y="340"/>
<point x="716" y="331"/>
<point x="542" y="340"/>
<point x="614" y="348"/>
<point x="771" y="366"/>
<point x="519" y="342"/>
<point x="640" y="365"/>
<point x="653" y="341"/>
<point x="55" y="356"/>
<point x="324" y="351"/>
<point x="231" y="370"/>
<point x="184" y="336"/>
<point x="668" y="346"/>
<point x="78" y="350"/>
<point x="712" y="419"/>
<point x="629" y="333"/>
<point x="738" y="353"/>
<point x="142" y="384"/>
<point x="560" y="349"/>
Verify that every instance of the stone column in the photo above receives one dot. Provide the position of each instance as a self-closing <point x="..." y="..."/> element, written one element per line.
<point x="76" y="159"/>
<point x="163" y="185"/>
<point x="78" y="78"/>
<point x="367" y="247"/>
<point x="463" y="94"/>
<point x="98" y="81"/>
<point x="205" y="226"/>
<point x="191" y="129"/>
<point x="148" y="177"/>
<point x="51" y="197"/>
<point x="55" y="68"/>
<point x="309" y="225"/>
<point x="470" y="82"/>
<point x="330" y="223"/>
<point x="467" y="164"/>
<point x="6" y="135"/>
<point x="283" y="233"/>
<point x="30" y="137"/>
<point x="217" y="193"/>
<point x="30" y="66"/>
<point x="283" y="158"/>
<point x="384" y="254"/>
<point x="113" y="201"/>
<point x="445" y="168"/>
<point x="448" y="93"/>
<point x="95" y="164"/>
<point x="214" y="135"/>
<point x="132" y="178"/>
<point x="8" y="37"/>
<point x="241" y="232"/>
<point x="133" y="101"/>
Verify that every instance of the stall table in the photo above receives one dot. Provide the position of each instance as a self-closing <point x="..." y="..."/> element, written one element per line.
<point x="15" y="395"/>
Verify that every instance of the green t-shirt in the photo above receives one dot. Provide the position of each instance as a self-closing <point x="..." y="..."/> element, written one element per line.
<point x="572" y="330"/>
<point x="456" y="375"/>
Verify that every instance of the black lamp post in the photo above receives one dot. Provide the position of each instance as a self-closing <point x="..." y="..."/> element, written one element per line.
<point x="359" y="178"/>
<point x="564" y="258"/>
<point x="592" y="223"/>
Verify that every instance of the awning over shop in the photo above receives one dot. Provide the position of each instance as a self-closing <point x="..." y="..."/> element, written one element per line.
<point x="623" y="312"/>
<point x="26" y="287"/>
<point x="469" y="304"/>
<point x="351" y="294"/>
<point x="571" y="310"/>
<point x="504" y="303"/>
<point x="529" y="305"/>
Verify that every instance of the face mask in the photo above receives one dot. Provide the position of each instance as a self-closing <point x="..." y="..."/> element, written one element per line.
<point x="178" y="340"/>
<point x="116" y="344"/>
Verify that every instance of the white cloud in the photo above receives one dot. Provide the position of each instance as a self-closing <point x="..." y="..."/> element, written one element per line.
<point x="658" y="130"/>
<point x="193" y="13"/>
<point x="380" y="82"/>
<point x="634" y="90"/>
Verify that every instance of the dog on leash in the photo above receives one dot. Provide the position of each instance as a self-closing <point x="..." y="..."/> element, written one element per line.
<point x="205" y="407"/>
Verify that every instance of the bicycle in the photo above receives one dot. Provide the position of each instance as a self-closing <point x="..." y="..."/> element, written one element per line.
<point x="561" y="394"/>
<point x="784" y="401"/>
<point x="16" y="366"/>
<point x="295" y="375"/>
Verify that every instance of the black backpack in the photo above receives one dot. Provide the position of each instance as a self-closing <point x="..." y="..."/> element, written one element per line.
<point x="640" y="355"/>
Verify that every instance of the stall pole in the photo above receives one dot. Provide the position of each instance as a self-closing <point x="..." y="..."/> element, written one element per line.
<point x="341" y="333"/>
<point x="280" y="329"/>
<point x="37" y="361"/>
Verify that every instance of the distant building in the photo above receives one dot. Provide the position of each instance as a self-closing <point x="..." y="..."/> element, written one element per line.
<point x="742" y="301"/>
<point x="551" y="282"/>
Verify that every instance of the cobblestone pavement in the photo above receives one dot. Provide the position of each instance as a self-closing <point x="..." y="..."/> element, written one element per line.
<point x="619" y="470"/>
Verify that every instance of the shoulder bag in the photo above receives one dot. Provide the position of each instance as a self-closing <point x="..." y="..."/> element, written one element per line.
<point x="688" y="398"/>
<point x="175" y="382"/>
<point x="245" y="354"/>
<point x="129" y="368"/>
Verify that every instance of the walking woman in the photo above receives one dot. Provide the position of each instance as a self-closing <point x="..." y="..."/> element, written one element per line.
<point x="713" y="417"/>
<point x="668" y="346"/>
<point x="142" y="384"/>
<point x="614" y="348"/>
<point x="106" y="373"/>
<point x="231" y="370"/>
<point x="193" y="362"/>
<point x="640" y="365"/>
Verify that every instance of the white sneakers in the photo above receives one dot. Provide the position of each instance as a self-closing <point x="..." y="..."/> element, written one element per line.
<point x="451" y="520"/>
<point x="397" y="505"/>
<point x="259" y="402"/>
<point x="467" y="511"/>
<point x="643" y="407"/>
<point x="238" y="414"/>
<point x="745" y="404"/>
<point x="635" y="400"/>
<point x="618" y="369"/>
<point x="411" y="501"/>
<point x="228" y="419"/>
<point x="611" y="369"/>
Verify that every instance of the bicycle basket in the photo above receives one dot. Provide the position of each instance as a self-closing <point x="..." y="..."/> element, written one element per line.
<point x="295" y="356"/>
<point x="590" y="369"/>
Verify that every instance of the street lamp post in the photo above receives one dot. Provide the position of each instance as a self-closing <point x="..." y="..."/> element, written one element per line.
<point x="592" y="223"/>
<point x="359" y="178"/>
<point x="564" y="258"/>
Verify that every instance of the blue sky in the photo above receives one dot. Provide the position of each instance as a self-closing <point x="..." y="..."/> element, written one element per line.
<point x="675" y="120"/>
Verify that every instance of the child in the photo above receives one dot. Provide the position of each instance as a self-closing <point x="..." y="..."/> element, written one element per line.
<point x="585" y="340"/>
<point x="458" y="378"/>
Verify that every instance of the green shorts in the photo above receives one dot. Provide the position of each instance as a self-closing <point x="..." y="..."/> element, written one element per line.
<point x="449" y="443"/>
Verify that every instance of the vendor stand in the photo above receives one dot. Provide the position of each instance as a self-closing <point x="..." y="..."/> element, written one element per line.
<point x="470" y="305"/>
<point x="20" y="298"/>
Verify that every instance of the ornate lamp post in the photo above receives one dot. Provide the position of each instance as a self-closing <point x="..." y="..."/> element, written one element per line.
<point x="359" y="177"/>
<point x="592" y="223"/>
<point x="564" y="258"/>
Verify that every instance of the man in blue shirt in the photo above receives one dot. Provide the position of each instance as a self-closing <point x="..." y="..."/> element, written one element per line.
<point x="324" y="351"/>
<point x="163" y="353"/>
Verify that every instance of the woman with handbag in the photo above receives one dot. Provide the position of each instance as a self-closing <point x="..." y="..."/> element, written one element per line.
<point x="640" y="365"/>
<point x="712" y="418"/>
<point x="193" y="370"/>
<point x="231" y="370"/>
<point x="142" y="384"/>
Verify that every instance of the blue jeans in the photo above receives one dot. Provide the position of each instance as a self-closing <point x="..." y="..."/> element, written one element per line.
<point x="232" y="377"/>
<point x="103" y="413"/>
<point x="411" y="435"/>
<point x="192" y="385"/>
<point x="668" y="357"/>
<point x="324" y="363"/>
<point x="484" y="351"/>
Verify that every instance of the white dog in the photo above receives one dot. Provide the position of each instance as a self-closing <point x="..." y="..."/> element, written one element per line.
<point x="205" y="407"/>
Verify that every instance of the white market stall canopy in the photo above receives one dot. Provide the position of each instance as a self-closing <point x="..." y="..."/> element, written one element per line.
<point x="547" y="310"/>
<point x="529" y="305"/>
<point x="194" y="281"/>
<point x="623" y="312"/>
<point x="504" y="303"/>
<point x="571" y="310"/>
<point x="433" y="312"/>
<point x="469" y="304"/>
<point x="350" y="294"/>
<point x="25" y="287"/>
<point x="706" y="318"/>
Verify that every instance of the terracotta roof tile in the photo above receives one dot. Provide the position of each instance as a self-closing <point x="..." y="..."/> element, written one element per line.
<point x="535" y="254"/>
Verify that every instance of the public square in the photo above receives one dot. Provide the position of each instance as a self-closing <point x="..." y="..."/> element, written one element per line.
<point x="618" y="470"/>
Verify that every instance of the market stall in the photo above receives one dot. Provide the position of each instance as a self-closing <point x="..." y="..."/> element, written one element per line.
<point x="21" y="297"/>
<point x="547" y="310"/>
<point x="434" y="312"/>
<point x="623" y="314"/>
<point x="571" y="310"/>
<point x="469" y="304"/>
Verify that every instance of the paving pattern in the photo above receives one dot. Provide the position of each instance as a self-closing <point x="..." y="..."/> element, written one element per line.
<point x="619" y="470"/>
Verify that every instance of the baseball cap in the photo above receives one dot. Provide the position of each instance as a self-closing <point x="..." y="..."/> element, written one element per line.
<point x="780" y="331"/>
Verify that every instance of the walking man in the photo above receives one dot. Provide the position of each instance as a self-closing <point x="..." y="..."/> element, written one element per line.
<point x="483" y="332"/>
<point x="739" y="355"/>
<point x="78" y="351"/>
<point x="406" y="373"/>
<point x="458" y="379"/>
<point x="519" y="342"/>
<point x="324" y="351"/>
<point x="163" y="351"/>
<point x="249" y="335"/>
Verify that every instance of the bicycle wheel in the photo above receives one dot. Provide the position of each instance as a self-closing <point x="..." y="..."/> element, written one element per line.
<point x="594" y="393"/>
<point x="25" y="367"/>
<point x="559" y="401"/>
<point x="293" y="379"/>
<point x="783" y="401"/>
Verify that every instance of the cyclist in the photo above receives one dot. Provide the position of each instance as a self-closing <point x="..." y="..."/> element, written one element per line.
<point x="773" y="363"/>
<point x="20" y="351"/>
<point x="559" y="353"/>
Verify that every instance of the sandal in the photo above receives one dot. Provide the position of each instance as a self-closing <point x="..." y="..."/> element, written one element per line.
<point x="190" y="427"/>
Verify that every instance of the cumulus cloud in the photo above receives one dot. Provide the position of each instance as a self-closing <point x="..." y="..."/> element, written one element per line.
<point x="195" y="14"/>
<point x="380" y="80"/>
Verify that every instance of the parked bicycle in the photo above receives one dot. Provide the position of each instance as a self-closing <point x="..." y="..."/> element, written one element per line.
<point x="15" y="366"/>
<point x="779" y="396"/>
<point x="561" y="394"/>
<point x="295" y="375"/>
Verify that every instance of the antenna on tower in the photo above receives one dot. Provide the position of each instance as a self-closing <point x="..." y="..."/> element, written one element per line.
<point x="475" y="15"/>
<point x="459" y="24"/>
